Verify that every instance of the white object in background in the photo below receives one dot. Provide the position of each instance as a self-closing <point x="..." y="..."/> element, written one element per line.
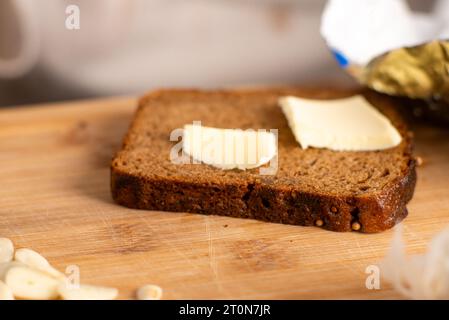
<point x="349" y="124"/>
<point x="442" y="11"/>
<point x="22" y="20"/>
<point x="423" y="276"/>
<point x="363" y="30"/>
<point x="128" y="46"/>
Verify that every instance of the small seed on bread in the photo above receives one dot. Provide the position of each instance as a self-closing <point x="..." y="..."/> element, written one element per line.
<point x="356" y="226"/>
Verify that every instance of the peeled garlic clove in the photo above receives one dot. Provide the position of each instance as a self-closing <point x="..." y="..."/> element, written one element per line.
<point x="149" y="292"/>
<point x="5" y="292"/>
<point x="29" y="283"/>
<point x="6" y="250"/>
<point x="86" y="292"/>
<point x="4" y="267"/>
<point x="35" y="260"/>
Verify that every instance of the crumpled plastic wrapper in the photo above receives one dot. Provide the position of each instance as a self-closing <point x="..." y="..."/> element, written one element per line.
<point x="423" y="276"/>
<point x="391" y="49"/>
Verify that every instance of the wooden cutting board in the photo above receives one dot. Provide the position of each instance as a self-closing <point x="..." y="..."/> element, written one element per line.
<point x="55" y="198"/>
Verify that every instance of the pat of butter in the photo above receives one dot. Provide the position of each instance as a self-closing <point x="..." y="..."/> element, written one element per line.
<point x="349" y="124"/>
<point x="229" y="148"/>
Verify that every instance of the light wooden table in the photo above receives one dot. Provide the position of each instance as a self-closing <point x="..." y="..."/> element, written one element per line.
<point x="55" y="198"/>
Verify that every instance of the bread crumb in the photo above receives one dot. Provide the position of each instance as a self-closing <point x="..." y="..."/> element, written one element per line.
<point x="419" y="161"/>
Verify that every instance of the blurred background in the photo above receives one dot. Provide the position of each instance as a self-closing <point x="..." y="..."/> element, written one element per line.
<point x="129" y="46"/>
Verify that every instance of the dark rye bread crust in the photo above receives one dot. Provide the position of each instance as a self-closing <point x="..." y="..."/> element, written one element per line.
<point x="311" y="187"/>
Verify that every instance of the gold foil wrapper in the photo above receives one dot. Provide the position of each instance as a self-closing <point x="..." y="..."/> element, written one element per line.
<point x="416" y="72"/>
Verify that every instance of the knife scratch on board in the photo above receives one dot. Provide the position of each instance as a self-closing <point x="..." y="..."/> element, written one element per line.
<point x="169" y="245"/>
<point x="212" y="259"/>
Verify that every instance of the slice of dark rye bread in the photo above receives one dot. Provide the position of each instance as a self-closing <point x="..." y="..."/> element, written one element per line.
<point x="340" y="191"/>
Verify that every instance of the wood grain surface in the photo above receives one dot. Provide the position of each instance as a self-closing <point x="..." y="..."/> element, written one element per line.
<point x="55" y="198"/>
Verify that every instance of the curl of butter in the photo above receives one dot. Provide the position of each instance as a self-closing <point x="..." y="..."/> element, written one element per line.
<point x="229" y="148"/>
<point x="349" y="124"/>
